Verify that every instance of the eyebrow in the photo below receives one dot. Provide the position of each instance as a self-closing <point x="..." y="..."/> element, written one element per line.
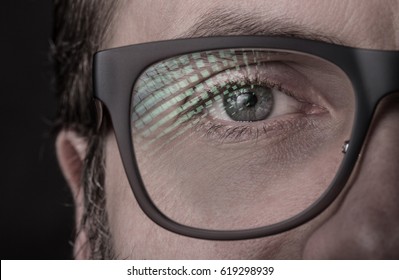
<point x="223" y="22"/>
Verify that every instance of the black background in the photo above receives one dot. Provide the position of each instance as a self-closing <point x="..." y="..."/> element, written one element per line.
<point x="36" y="206"/>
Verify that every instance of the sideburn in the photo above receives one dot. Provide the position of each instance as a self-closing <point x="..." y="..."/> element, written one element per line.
<point x="95" y="218"/>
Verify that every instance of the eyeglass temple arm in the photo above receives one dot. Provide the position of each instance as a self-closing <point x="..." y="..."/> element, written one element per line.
<point x="100" y="113"/>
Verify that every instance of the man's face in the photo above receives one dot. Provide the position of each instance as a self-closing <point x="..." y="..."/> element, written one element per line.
<point x="362" y="223"/>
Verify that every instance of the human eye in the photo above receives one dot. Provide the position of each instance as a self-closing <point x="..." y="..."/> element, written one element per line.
<point x="247" y="97"/>
<point x="252" y="96"/>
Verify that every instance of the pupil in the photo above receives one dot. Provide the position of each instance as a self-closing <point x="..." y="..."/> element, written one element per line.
<point x="247" y="99"/>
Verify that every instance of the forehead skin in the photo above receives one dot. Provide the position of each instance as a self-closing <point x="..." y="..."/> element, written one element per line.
<point x="358" y="23"/>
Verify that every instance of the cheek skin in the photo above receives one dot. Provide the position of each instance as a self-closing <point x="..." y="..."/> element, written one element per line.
<point x="135" y="236"/>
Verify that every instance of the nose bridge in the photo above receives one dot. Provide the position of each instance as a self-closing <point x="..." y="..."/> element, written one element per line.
<point x="372" y="201"/>
<point x="366" y="222"/>
<point x="381" y="145"/>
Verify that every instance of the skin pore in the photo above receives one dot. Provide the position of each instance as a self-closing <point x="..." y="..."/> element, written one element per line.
<point x="362" y="223"/>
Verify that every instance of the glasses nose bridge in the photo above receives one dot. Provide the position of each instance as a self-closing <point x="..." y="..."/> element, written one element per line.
<point x="379" y="72"/>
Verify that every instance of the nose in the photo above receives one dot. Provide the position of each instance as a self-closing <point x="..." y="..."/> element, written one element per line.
<point x="366" y="222"/>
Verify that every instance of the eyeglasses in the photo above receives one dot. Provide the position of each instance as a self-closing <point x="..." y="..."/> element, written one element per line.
<point x="231" y="138"/>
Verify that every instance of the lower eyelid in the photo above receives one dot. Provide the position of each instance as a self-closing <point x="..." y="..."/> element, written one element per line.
<point x="223" y="132"/>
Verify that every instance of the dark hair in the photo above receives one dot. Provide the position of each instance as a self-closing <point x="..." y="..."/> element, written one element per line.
<point x="80" y="28"/>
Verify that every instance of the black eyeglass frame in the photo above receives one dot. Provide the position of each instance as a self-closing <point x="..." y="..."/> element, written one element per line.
<point x="374" y="74"/>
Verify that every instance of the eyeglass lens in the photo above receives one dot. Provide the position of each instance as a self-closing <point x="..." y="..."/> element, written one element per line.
<point x="239" y="138"/>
